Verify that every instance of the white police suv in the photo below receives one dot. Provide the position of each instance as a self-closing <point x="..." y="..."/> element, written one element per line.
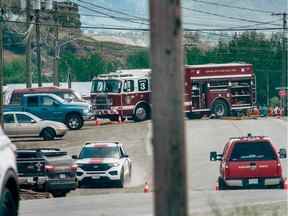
<point x="103" y="162"/>
<point x="9" y="192"/>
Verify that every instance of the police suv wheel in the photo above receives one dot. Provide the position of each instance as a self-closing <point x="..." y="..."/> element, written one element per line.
<point x="8" y="204"/>
<point x="121" y="182"/>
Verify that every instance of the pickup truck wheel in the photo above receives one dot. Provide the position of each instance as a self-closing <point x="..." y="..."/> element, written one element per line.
<point x="58" y="194"/>
<point x="48" y="134"/>
<point x="192" y="115"/>
<point x="221" y="184"/>
<point x="8" y="205"/>
<point x="74" y="121"/>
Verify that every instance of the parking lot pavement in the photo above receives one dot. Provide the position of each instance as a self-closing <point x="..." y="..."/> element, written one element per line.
<point x="132" y="135"/>
<point x="206" y="136"/>
<point x="140" y="204"/>
<point x="203" y="136"/>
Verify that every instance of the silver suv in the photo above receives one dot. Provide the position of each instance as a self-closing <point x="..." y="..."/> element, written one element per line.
<point x="9" y="191"/>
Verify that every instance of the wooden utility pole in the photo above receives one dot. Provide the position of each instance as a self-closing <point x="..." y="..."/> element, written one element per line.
<point x="39" y="71"/>
<point x="168" y="108"/>
<point x="28" y="46"/>
<point x="284" y="79"/>
<point x="56" y="52"/>
<point x="1" y="62"/>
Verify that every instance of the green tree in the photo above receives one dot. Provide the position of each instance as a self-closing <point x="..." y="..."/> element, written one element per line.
<point x="275" y="101"/>
<point x="13" y="71"/>
<point x="84" y="68"/>
<point x="138" y="60"/>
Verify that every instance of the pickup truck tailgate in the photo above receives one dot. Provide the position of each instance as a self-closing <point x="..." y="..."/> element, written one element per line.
<point x="31" y="167"/>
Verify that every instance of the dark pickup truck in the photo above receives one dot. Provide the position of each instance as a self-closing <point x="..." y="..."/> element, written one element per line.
<point x="46" y="170"/>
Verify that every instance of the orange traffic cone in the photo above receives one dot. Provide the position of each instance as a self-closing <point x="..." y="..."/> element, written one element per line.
<point x="97" y="122"/>
<point x="216" y="187"/>
<point x="146" y="188"/>
<point x="286" y="185"/>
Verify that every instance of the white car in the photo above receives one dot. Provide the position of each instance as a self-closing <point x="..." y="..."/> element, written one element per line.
<point x="24" y="124"/>
<point x="103" y="162"/>
<point x="9" y="192"/>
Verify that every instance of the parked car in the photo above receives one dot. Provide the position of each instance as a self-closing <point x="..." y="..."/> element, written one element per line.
<point x="250" y="162"/>
<point x="15" y="95"/>
<point x="23" y="124"/>
<point x="47" y="169"/>
<point x="51" y="107"/>
<point x="9" y="193"/>
<point x="103" y="162"/>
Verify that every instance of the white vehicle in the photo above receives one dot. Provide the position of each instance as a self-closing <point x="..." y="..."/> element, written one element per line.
<point x="9" y="193"/>
<point x="103" y="162"/>
<point x="24" y="124"/>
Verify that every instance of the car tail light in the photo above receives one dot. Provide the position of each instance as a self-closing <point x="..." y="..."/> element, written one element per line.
<point x="49" y="168"/>
<point x="74" y="167"/>
<point x="279" y="171"/>
<point x="226" y="170"/>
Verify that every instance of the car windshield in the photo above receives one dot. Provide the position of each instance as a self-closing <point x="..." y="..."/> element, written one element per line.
<point x="253" y="151"/>
<point x="100" y="152"/>
<point x="107" y="86"/>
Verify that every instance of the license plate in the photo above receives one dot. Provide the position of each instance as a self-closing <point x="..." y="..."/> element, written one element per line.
<point x="253" y="181"/>
<point x="95" y="177"/>
<point x="62" y="176"/>
<point x="30" y="180"/>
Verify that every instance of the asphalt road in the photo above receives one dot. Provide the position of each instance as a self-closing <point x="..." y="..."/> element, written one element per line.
<point x="203" y="136"/>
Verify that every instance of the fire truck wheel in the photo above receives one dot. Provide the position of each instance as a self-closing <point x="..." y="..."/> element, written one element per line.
<point x="220" y="108"/>
<point x="141" y="113"/>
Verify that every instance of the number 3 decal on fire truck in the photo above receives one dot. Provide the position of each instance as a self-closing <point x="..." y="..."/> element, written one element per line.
<point x="143" y="85"/>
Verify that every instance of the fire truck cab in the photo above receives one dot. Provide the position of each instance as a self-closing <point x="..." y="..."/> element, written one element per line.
<point x="219" y="89"/>
<point x="124" y="93"/>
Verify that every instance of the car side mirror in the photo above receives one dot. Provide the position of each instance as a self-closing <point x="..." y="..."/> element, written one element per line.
<point x="215" y="157"/>
<point x="55" y="104"/>
<point x="125" y="156"/>
<point x="33" y="121"/>
<point x="75" y="157"/>
<point x="282" y="153"/>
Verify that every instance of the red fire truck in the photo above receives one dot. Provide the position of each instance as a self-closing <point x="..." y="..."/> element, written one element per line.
<point x="219" y="89"/>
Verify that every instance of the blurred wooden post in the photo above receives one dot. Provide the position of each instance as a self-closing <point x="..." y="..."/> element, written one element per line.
<point x="1" y="61"/>
<point x="168" y="108"/>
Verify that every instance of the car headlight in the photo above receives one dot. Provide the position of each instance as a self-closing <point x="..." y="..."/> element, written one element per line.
<point x="86" y="111"/>
<point x="115" y="164"/>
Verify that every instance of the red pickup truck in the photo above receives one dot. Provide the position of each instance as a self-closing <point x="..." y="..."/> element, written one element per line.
<point x="250" y="162"/>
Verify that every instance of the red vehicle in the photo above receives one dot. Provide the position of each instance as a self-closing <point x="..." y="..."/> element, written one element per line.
<point x="220" y="89"/>
<point x="67" y="94"/>
<point x="250" y="162"/>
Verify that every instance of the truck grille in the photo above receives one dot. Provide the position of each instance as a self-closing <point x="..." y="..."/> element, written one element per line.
<point x="101" y="103"/>
<point x="95" y="167"/>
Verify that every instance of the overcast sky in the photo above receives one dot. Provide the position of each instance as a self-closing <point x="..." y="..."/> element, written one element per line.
<point x="192" y="19"/>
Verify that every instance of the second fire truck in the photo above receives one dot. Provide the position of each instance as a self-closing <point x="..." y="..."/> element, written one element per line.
<point x="218" y="89"/>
